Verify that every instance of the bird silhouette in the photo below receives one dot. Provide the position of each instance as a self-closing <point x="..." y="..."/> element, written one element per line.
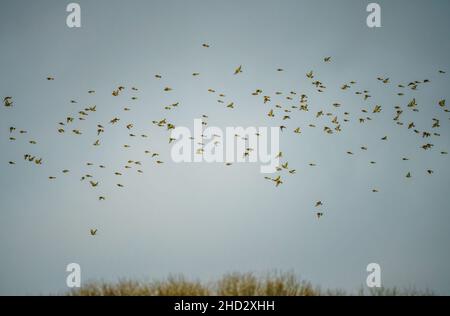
<point x="7" y="101"/>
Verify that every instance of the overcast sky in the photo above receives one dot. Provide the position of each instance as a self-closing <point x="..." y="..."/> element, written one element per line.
<point x="204" y="220"/>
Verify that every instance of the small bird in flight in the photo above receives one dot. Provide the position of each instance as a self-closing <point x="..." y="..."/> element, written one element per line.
<point x="7" y="101"/>
<point x="238" y="70"/>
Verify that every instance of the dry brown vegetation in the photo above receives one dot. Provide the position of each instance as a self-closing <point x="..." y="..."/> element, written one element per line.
<point x="234" y="284"/>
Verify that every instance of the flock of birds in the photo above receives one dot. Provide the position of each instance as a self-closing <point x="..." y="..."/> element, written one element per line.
<point x="297" y="103"/>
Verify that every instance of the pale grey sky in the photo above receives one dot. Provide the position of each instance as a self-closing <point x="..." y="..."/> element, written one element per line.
<point x="204" y="220"/>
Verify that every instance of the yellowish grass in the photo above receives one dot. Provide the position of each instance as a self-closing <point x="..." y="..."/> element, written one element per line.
<point x="233" y="284"/>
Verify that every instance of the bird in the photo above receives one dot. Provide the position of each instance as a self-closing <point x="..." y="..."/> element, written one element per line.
<point x="427" y="146"/>
<point x="93" y="184"/>
<point x="238" y="70"/>
<point x="327" y="59"/>
<point x="377" y="109"/>
<point x="7" y="101"/>
<point x="278" y="181"/>
<point x="93" y="232"/>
